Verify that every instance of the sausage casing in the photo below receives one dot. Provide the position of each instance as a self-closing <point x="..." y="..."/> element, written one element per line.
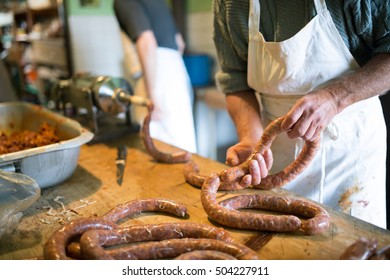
<point x="160" y="156"/>
<point x="192" y="176"/>
<point x="92" y="241"/>
<point x="145" y="205"/>
<point x="362" y="249"/>
<point x="172" y="248"/>
<point x="244" y="220"/>
<point x="281" y="178"/>
<point x="205" y="255"/>
<point x="56" y="246"/>
<point x="318" y="219"/>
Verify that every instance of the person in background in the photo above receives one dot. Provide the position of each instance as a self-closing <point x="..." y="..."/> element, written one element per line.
<point x="322" y="65"/>
<point x="159" y="46"/>
<point x="7" y="91"/>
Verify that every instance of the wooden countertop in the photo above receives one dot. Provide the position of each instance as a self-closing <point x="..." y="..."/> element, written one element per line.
<point x="92" y="191"/>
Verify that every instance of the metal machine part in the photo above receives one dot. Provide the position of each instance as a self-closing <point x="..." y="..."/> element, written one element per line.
<point x="100" y="103"/>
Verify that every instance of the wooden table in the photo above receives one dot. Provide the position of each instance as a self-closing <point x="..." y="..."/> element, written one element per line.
<point x="92" y="191"/>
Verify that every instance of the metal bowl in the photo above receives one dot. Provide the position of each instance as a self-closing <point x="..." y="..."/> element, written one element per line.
<point x="48" y="165"/>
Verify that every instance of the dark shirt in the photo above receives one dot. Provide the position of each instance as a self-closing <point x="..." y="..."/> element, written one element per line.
<point x="137" y="16"/>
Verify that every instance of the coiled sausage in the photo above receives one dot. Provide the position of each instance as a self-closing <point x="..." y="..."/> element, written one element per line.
<point x="205" y="255"/>
<point x="318" y="219"/>
<point x="192" y="176"/>
<point x="55" y="246"/>
<point x="234" y="174"/>
<point x="244" y="220"/>
<point x="92" y="241"/>
<point x="174" y="247"/>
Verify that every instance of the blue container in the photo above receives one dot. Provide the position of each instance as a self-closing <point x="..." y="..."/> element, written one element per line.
<point x="198" y="68"/>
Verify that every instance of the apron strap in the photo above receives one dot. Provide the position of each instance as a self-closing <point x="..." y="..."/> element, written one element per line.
<point x="320" y="5"/>
<point x="254" y="17"/>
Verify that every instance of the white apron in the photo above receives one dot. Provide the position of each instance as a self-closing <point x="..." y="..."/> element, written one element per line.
<point x="172" y="120"/>
<point x="348" y="172"/>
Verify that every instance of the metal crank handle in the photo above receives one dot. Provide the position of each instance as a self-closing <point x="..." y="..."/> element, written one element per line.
<point x="122" y="96"/>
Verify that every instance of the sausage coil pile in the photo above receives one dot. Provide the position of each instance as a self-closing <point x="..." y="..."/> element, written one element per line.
<point x="168" y="240"/>
<point x="227" y="212"/>
<point x="283" y="177"/>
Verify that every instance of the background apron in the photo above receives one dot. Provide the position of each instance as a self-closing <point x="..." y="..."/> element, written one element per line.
<point x="348" y="172"/>
<point x="172" y="119"/>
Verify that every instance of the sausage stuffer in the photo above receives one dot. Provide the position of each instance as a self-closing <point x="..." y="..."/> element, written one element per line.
<point x="102" y="104"/>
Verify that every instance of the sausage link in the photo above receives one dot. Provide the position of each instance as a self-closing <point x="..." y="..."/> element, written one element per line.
<point x="192" y="176"/>
<point x="205" y="255"/>
<point x="362" y="249"/>
<point x="73" y="250"/>
<point x="234" y="174"/>
<point x="178" y="157"/>
<point x="382" y="254"/>
<point x="56" y="246"/>
<point x="174" y="247"/>
<point x="244" y="220"/>
<point x="145" y="205"/>
<point x="91" y="242"/>
<point x="318" y="219"/>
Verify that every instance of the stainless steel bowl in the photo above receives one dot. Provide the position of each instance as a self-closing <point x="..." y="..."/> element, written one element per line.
<point x="48" y="165"/>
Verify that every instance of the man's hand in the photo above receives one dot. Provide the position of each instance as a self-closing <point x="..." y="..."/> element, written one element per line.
<point x="259" y="165"/>
<point x="310" y="115"/>
<point x="313" y="112"/>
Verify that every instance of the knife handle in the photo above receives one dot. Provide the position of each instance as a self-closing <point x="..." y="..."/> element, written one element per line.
<point x="122" y="152"/>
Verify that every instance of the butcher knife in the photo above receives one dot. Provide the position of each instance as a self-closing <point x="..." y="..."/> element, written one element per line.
<point x="120" y="164"/>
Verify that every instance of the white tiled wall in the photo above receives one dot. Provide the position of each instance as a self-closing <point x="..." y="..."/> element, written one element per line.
<point x="96" y="45"/>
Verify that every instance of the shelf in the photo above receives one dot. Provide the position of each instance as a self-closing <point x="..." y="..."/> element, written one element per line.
<point x="39" y="48"/>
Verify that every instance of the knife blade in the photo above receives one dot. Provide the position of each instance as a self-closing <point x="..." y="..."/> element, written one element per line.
<point x="120" y="163"/>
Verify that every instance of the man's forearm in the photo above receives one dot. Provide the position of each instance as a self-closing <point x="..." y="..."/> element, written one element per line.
<point x="244" y="110"/>
<point x="371" y="80"/>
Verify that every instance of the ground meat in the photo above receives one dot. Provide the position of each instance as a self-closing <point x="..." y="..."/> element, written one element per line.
<point x="26" y="139"/>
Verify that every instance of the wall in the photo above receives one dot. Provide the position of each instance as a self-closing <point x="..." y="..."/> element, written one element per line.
<point x="196" y="6"/>
<point x="105" y="7"/>
<point x="95" y="41"/>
